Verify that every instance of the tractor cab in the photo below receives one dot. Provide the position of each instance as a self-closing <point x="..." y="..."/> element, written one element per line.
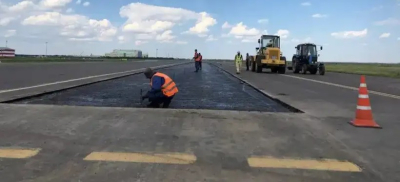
<point x="307" y="51"/>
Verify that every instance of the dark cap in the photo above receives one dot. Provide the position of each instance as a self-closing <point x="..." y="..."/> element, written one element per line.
<point x="148" y="72"/>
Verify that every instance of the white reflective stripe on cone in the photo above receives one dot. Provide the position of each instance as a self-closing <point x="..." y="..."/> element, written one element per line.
<point x="363" y="96"/>
<point x="363" y="85"/>
<point x="364" y="107"/>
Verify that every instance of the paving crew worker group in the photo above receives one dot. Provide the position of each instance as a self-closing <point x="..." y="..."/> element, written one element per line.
<point x="197" y="60"/>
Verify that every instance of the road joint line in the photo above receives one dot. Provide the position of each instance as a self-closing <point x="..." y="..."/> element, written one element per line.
<point x="346" y="87"/>
<point x="89" y="77"/>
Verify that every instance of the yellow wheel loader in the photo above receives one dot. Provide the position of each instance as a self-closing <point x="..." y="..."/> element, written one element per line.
<point x="268" y="55"/>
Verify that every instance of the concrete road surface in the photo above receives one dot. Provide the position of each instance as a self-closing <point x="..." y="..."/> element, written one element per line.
<point x="332" y="99"/>
<point x="24" y="79"/>
<point x="16" y="75"/>
<point x="71" y="143"/>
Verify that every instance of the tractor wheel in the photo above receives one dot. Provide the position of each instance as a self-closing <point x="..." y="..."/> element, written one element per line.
<point x="313" y="71"/>
<point x="322" y="70"/>
<point x="304" y="69"/>
<point x="295" y="67"/>
<point x="253" y="65"/>
<point x="259" y="65"/>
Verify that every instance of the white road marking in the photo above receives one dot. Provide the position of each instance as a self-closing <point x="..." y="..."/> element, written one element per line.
<point x="346" y="87"/>
<point x="78" y="79"/>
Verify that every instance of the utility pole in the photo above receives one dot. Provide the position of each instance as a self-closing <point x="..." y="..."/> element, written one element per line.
<point x="46" y="49"/>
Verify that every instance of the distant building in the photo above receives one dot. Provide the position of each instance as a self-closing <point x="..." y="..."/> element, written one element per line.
<point x="6" y="52"/>
<point x="124" y="53"/>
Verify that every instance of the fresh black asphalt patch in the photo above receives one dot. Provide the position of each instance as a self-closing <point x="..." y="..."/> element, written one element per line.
<point x="209" y="88"/>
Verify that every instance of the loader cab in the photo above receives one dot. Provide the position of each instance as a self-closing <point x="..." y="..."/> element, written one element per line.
<point x="268" y="41"/>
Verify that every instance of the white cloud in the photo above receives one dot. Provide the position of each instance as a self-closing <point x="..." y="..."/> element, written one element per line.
<point x="21" y="6"/>
<point x="240" y="30"/>
<point x="261" y="21"/>
<point x="5" y="21"/>
<point x="202" y="24"/>
<point x="350" y="34"/>
<point x="69" y="10"/>
<point x="389" y="21"/>
<point x="181" y="42"/>
<point x="384" y="35"/>
<point x="140" y="42"/>
<point x="10" y="33"/>
<point x="165" y="36"/>
<point x="319" y="15"/>
<point x="54" y="3"/>
<point x="307" y="39"/>
<point x="283" y="33"/>
<point x="78" y="27"/>
<point x="86" y="3"/>
<point x="121" y="39"/>
<point x="211" y="38"/>
<point x="148" y="26"/>
<point x="226" y="25"/>
<point x="78" y="1"/>
<point x="149" y="19"/>
<point x="306" y="4"/>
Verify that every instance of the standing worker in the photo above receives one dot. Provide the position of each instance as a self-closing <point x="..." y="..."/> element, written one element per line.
<point x="196" y="60"/>
<point x="163" y="89"/>
<point x="247" y="61"/>
<point x="238" y="62"/>
<point x="201" y="59"/>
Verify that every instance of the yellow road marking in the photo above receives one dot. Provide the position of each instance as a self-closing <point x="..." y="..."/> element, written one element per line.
<point x="346" y="87"/>
<point x="312" y="164"/>
<point x="167" y="158"/>
<point x="17" y="153"/>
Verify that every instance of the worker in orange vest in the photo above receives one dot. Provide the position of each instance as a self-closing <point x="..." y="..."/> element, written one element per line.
<point x="201" y="60"/>
<point x="196" y="60"/>
<point x="163" y="89"/>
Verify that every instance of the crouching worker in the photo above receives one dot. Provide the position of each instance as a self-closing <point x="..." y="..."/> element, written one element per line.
<point x="163" y="89"/>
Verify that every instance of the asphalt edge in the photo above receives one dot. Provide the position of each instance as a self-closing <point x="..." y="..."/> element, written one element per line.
<point x="11" y="100"/>
<point x="284" y="104"/>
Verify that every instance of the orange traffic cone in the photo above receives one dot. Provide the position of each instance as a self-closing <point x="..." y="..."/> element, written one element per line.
<point x="364" y="113"/>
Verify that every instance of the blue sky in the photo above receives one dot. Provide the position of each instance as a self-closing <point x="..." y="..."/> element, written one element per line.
<point x="350" y="31"/>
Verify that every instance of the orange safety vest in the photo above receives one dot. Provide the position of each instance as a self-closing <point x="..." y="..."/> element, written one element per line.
<point x="201" y="57"/>
<point x="169" y="87"/>
<point x="196" y="55"/>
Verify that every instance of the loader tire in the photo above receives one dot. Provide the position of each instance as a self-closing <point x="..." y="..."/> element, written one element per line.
<point x="253" y="65"/>
<point x="258" y="65"/>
